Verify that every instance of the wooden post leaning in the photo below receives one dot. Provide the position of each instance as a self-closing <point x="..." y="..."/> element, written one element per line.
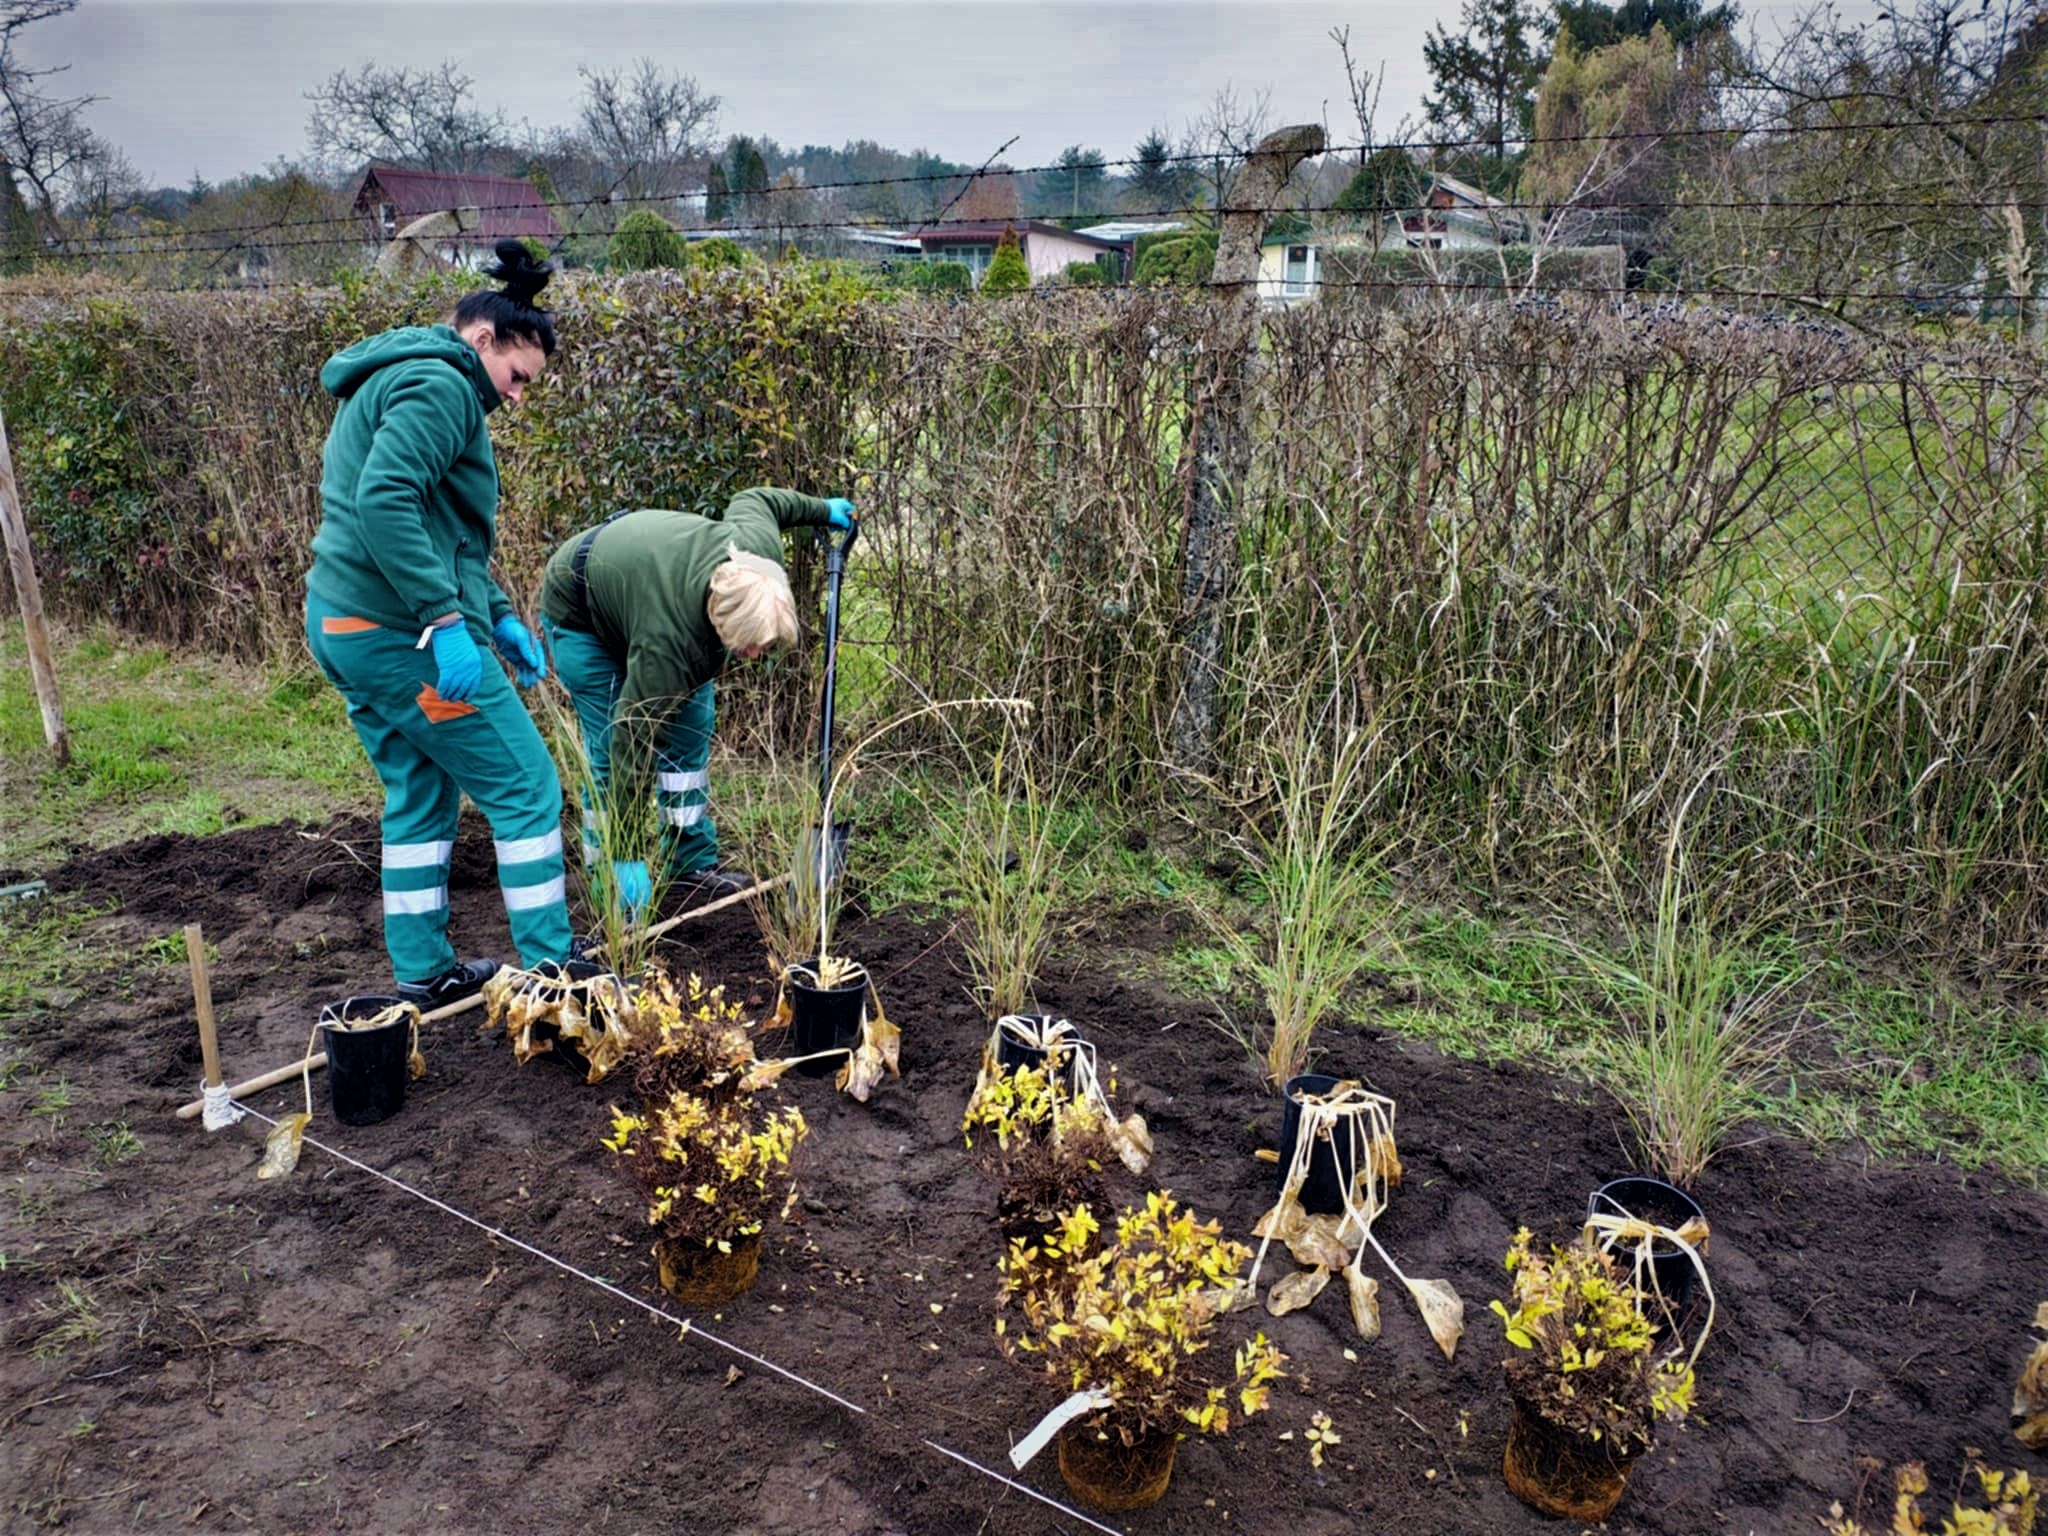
<point x="28" y="592"/>
<point x="285" y="1074"/>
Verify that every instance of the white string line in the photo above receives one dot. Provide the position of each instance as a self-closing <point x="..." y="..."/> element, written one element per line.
<point x="685" y="1326"/>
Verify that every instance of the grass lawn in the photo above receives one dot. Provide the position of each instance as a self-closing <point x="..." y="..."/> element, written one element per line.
<point x="166" y="743"/>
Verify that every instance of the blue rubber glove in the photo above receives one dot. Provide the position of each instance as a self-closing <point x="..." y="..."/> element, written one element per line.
<point x="839" y="512"/>
<point x="635" y="885"/>
<point x="521" y="651"/>
<point x="461" y="663"/>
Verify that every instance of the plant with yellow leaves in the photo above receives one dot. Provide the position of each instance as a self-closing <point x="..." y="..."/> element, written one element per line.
<point x="1133" y="1319"/>
<point x="690" y="1038"/>
<point x="1588" y="1381"/>
<point x="2011" y="1503"/>
<point x="1044" y="1150"/>
<point x="712" y="1173"/>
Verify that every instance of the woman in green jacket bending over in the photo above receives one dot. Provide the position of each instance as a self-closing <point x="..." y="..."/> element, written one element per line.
<point x="641" y="613"/>
<point x="400" y="605"/>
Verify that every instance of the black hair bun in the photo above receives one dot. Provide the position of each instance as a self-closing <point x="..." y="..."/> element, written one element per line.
<point x="522" y="275"/>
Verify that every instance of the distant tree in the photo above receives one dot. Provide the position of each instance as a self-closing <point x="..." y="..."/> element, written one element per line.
<point x="1075" y="186"/>
<point x="422" y="118"/>
<point x="717" y="195"/>
<point x="53" y="160"/>
<point x="1485" y="76"/>
<point x="748" y="179"/>
<point x="17" y="225"/>
<point x="988" y="197"/>
<point x="648" y="127"/>
<point x="1590" y="24"/>
<point x="1389" y="182"/>
<point x="1007" y="273"/>
<point x="1158" y="183"/>
<point x="643" y="242"/>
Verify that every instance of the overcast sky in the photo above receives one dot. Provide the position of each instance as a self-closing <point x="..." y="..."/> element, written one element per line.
<point x="218" y="87"/>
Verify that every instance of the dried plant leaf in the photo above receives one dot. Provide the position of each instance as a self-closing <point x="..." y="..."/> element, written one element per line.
<point x="1283" y="1221"/>
<point x="1316" y="1242"/>
<point x="1385" y="1159"/>
<point x="883" y="1036"/>
<point x="2030" y="1393"/>
<point x="281" y="1146"/>
<point x="1365" y="1304"/>
<point x="417" y="1062"/>
<point x="763" y="1073"/>
<point x="1296" y="1290"/>
<point x="2041" y="1317"/>
<point x="1133" y="1141"/>
<point x="1443" y="1310"/>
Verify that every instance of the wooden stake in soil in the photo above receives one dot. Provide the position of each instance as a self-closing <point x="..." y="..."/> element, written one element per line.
<point x="202" y="999"/>
<point x="28" y="593"/>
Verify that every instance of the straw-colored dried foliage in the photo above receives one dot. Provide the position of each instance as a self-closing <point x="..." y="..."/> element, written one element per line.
<point x="1136" y="1319"/>
<point x="1586" y="1358"/>
<point x="1359" y="1126"/>
<point x="544" y="1010"/>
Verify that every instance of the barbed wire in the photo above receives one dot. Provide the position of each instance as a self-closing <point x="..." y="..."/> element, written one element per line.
<point x="612" y="198"/>
<point x="1496" y="211"/>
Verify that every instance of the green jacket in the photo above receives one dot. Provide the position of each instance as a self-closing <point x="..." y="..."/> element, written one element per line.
<point x="409" y="486"/>
<point x="648" y="575"/>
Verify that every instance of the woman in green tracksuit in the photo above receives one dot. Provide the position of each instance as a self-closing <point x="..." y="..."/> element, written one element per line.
<point x="400" y="603"/>
<point x="641" y="613"/>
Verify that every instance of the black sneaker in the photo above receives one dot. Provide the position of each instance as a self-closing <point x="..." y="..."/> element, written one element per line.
<point x="713" y="883"/>
<point x="466" y="980"/>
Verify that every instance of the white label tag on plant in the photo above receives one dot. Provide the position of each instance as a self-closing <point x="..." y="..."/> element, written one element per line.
<point x="1080" y="1403"/>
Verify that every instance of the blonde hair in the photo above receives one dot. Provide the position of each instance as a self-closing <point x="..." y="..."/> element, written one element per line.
<point x="750" y="603"/>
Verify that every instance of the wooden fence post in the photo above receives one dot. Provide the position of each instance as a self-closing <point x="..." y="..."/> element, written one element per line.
<point x="28" y="591"/>
<point x="1223" y="439"/>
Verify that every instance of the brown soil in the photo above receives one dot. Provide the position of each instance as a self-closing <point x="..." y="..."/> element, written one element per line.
<point x="330" y="1354"/>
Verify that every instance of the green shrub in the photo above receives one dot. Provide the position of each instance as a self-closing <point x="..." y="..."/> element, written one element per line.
<point x="1007" y="274"/>
<point x="1086" y="274"/>
<point x="645" y="242"/>
<point x="720" y="252"/>
<point x="1186" y="259"/>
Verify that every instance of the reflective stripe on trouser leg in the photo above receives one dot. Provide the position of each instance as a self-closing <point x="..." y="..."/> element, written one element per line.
<point x="689" y="840"/>
<point x="530" y="871"/>
<point x="373" y="669"/>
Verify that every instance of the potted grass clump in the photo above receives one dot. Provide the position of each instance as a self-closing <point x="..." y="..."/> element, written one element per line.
<point x="826" y="998"/>
<point x="708" y="1150"/>
<point x="1130" y="1328"/>
<point x="1588" y="1381"/>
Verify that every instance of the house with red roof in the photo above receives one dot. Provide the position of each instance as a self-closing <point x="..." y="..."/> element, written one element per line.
<point x="487" y="209"/>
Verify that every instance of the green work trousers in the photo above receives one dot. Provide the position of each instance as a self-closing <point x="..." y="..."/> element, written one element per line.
<point x="429" y="753"/>
<point x="682" y="753"/>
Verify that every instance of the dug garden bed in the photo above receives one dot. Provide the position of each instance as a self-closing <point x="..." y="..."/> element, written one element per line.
<point x="185" y="1347"/>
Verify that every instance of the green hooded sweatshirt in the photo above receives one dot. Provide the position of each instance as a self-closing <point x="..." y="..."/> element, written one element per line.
<point x="409" y="486"/>
<point x="646" y="581"/>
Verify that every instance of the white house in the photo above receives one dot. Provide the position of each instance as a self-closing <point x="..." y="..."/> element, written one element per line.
<point x="1048" y="249"/>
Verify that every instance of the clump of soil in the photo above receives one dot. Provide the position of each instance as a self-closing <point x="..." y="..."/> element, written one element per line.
<point x="330" y="1354"/>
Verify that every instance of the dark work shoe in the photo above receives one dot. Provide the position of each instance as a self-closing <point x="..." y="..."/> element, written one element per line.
<point x="712" y="883"/>
<point x="466" y="980"/>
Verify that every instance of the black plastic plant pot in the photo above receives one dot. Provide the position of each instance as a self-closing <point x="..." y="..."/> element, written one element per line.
<point x="366" y="1068"/>
<point x="1012" y="1053"/>
<point x="1330" y="1170"/>
<point x="1668" y="1206"/>
<point x="823" y="1019"/>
